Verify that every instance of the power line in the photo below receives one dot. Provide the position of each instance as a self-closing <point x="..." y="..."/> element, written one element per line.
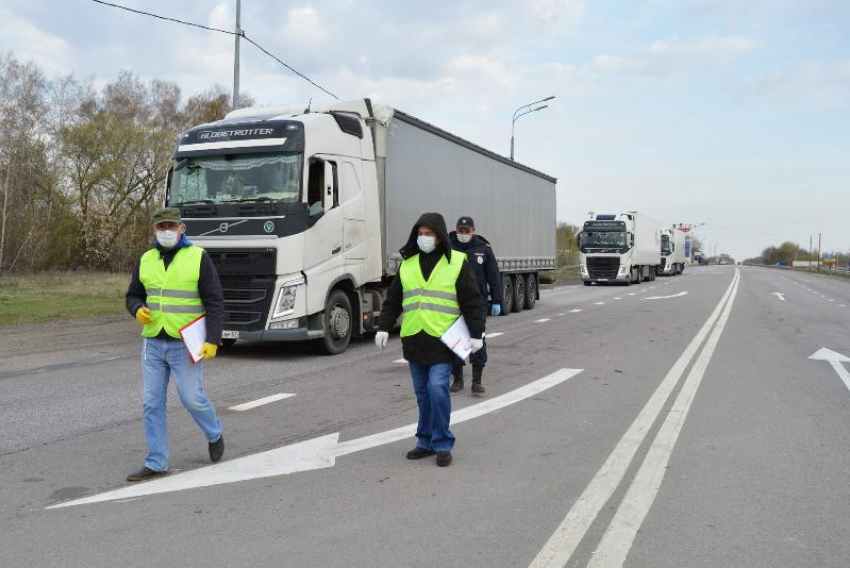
<point x="208" y="28"/>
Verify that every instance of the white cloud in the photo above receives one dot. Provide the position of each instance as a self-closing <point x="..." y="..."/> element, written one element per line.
<point x="50" y="52"/>
<point x="817" y="83"/>
<point x="711" y="45"/>
<point x="304" y="26"/>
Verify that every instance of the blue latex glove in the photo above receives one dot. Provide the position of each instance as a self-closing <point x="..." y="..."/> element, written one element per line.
<point x="496" y="310"/>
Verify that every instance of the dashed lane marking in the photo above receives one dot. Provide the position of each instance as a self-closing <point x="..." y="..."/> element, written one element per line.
<point x="544" y="320"/>
<point x="261" y="401"/>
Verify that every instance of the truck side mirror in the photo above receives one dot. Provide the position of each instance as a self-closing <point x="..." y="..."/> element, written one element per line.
<point x="631" y="240"/>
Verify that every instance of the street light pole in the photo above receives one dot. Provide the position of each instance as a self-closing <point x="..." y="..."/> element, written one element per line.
<point x="529" y="110"/>
<point x="235" y="104"/>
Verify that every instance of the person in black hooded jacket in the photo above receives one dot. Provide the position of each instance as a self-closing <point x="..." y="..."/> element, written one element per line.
<point x="429" y="359"/>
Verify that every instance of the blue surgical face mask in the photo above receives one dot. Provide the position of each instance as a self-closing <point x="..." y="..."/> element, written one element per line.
<point x="464" y="238"/>
<point x="426" y="244"/>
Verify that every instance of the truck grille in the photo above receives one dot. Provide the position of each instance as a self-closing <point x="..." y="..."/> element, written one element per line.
<point x="603" y="267"/>
<point x="248" y="278"/>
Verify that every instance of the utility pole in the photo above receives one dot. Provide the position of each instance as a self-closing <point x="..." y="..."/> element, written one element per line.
<point x="819" y="235"/>
<point x="810" y="253"/>
<point x="236" y="55"/>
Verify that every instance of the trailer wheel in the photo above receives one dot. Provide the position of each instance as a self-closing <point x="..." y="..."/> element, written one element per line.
<point x="338" y="323"/>
<point x="519" y="293"/>
<point x="653" y="271"/>
<point x="530" y="291"/>
<point x="507" y="295"/>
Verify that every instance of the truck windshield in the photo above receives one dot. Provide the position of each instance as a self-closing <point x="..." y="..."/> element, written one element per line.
<point x="236" y="178"/>
<point x="665" y="245"/>
<point x="596" y="241"/>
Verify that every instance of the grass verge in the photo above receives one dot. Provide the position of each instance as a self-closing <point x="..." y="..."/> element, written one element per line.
<point x="57" y="296"/>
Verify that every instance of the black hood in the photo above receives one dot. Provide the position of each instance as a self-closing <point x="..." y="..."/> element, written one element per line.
<point x="436" y="223"/>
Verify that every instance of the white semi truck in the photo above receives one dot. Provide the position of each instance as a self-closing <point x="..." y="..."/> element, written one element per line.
<point x="303" y="209"/>
<point x="672" y="252"/>
<point x="619" y="248"/>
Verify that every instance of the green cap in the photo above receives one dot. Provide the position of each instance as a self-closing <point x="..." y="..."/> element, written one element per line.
<point x="168" y="214"/>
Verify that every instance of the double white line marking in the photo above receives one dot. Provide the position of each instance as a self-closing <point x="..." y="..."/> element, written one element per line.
<point x="618" y="538"/>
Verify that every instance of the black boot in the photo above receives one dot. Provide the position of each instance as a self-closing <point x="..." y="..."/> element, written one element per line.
<point x="477" y="387"/>
<point x="457" y="383"/>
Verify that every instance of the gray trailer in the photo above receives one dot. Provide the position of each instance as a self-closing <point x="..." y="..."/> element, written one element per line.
<point x="424" y="168"/>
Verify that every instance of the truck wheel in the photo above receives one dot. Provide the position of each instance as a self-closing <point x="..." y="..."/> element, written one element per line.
<point x="338" y="323"/>
<point x="530" y="291"/>
<point x="227" y="343"/>
<point x="519" y="293"/>
<point x="652" y="273"/>
<point x="586" y="283"/>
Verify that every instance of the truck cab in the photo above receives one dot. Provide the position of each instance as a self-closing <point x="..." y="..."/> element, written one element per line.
<point x="280" y="200"/>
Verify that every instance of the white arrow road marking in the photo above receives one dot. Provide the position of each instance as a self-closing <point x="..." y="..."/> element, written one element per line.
<point x="562" y="544"/>
<point x="679" y="295"/>
<point x="316" y="453"/>
<point x="575" y="311"/>
<point x="544" y="320"/>
<point x="779" y="295"/>
<point x="598" y="303"/>
<point x="260" y="402"/>
<point x="836" y="360"/>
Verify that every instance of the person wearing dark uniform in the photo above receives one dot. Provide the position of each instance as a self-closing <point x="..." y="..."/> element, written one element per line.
<point x="489" y="282"/>
<point x="173" y="284"/>
<point x="434" y="286"/>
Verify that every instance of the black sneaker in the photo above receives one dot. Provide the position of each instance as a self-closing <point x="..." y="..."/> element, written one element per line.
<point x="217" y="449"/>
<point x="419" y="453"/>
<point x="478" y="388"/>
<point x="145" y="474"/>
<point x="444" y="459"/>
<point x="457" y="386"/>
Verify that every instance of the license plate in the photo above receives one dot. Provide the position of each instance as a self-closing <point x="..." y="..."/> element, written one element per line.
<point x="230" y="335"/>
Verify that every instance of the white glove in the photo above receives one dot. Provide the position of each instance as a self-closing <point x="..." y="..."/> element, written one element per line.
<point x="381" y="339"/>
<point x="477" y="344"/>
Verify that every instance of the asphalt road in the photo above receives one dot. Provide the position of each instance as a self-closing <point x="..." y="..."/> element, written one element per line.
<point x="680" y="423"/>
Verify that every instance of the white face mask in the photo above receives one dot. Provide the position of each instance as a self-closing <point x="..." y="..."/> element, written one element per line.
<point x="167" y="238"/>
<point x="426" y="244"/>
<point x="464" y="238"/>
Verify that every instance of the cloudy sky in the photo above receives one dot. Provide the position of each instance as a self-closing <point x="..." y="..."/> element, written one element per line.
<point x="731" y="113"/>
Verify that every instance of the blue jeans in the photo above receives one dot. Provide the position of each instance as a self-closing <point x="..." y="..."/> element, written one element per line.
<point x="431" y="385"/>
<point x="161" y="359"/>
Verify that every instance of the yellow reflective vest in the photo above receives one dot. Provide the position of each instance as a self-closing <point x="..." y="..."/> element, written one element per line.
<point x="430" y="305"/>
<point x="172" y="295"/>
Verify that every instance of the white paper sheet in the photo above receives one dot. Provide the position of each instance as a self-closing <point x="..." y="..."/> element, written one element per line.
<point x="457" y="339"/>
<point x="194" y="336"/>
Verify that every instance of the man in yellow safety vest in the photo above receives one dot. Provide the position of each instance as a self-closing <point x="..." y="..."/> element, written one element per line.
<point x="173" y="284"/>
<point x="434" y="286"/>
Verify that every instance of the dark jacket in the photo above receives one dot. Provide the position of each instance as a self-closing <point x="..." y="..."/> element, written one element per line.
<point x="484" y="265"/>
<point x="209" y="288"/>
<point x="423" y="348"/>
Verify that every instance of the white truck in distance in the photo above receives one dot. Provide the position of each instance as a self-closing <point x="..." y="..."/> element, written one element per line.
<point x="672" y="252"/>
<point x="620" y="248"/>
<point x="303" y="209"/>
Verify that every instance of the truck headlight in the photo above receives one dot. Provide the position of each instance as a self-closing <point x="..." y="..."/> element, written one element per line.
<point x="286" y="299"/>
<point x="583" y="270"/>
<point x="623" y="270"/>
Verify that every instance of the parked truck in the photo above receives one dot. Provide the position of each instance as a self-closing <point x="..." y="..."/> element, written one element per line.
<point x="672" y="252"/>
<point x="620" y="248"/>
<point x="303" y="209"/>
